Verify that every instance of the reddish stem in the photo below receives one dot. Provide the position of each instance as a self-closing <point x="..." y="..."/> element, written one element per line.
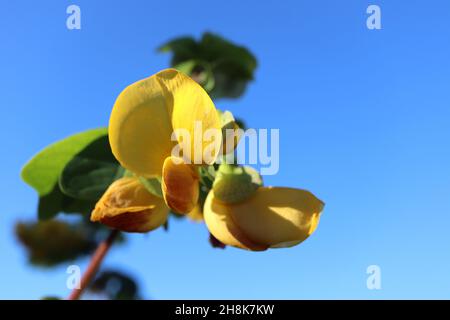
<point x="94" y="264"/>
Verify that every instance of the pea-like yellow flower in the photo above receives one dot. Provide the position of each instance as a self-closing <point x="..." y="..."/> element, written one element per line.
<point x="128" y="206"/>
<point x="153" y="116"/>
<point x="272" y="217"/>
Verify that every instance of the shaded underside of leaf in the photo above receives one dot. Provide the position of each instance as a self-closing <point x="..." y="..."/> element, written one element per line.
<point x="91" y="171"/>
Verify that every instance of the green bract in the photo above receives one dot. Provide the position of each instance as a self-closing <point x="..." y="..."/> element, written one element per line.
<point x="153" y="185"/>
<point x="234" y="184"/>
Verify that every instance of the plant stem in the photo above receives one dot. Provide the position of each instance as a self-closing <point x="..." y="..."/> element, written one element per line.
<point x="94" y="264"/>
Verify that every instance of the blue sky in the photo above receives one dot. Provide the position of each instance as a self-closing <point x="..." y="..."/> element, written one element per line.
<point x="364" y="119"/>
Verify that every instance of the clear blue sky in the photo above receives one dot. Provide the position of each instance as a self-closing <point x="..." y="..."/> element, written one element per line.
<point x="364" y="119"/>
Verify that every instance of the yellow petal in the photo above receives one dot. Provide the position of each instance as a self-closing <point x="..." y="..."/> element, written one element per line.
<point x="180" y="183"/>
<point x="220" y="223"/>
<point x="196" y="214"/>
<point x="146" y="114"/>
<point x="128" y="206"/>
<point x="140" y="128"/>
<point x="192" y="110"/>
<point x="272" y="217"/>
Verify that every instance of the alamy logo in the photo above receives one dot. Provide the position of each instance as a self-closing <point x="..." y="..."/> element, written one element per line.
<point x="374" y="20"/>
<point x="73" y="21"/>
<point x="255" y="147"/>
<point x="74" y="279"/>
<point x="374" y="278"/>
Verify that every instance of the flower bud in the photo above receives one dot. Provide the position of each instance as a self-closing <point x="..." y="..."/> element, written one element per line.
<point x="128" y="206"/>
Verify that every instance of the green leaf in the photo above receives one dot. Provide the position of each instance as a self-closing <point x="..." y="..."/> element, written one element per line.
<point x="91" y="171"/>
<point x="51" y="298"/>
<point x="234" y="184"/>
<point x="183" y="48"/>
<point x="88" y="179"/>
<point x="53" y="242"/>
<point x="186" y="66"/>
<point x="153" y="185"/>
<point x="240" y="61"/>
<point x="43" y="170"/>
<point x="115" y="285"/>
<point x="55" y="202"/>
<point x="223" y="67"/>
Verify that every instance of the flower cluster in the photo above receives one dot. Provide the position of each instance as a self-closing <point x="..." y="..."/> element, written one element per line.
<point x="169" y="111"/>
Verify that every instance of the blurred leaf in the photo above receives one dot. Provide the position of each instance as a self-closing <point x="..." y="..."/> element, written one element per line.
<point x="52" y="242"/>
<point x="51" y="298"/>
<point x="91" y="171"/>
<point x="241" y="124"/>
<point x="186" y="66"/>
<point x="56" y="201"/>
<point x="184" y="48"/>
<point x="234" y="184"/>
<point x="239" y="61"/>
<point x="221" y="67"/>
<point x="43" y="170"/>
<point x="115" y="285"/>
<point x="153" y="185"/>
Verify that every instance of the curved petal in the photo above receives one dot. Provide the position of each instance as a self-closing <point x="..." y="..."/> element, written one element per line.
<point x="192" y="111"/>
<point x="128" y="206"/>
<point x="140" y="128"/>
<point x="180" y="185"/>
<point x="220" y="223"/>
<point x="274" y="217"/>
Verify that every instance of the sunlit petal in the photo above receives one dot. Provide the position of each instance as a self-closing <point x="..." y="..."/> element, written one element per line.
<point x="180" y="185"/>
<point x="272" y="217"/>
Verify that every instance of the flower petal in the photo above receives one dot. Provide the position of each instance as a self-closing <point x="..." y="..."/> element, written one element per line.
<point x="274" y="217"/>
<point x="128" y="206"/>
<point x="180" y="185"/>
<point x="220" y="223"/>
<point x="140" y="128"/>
<point x="192" y="110"/>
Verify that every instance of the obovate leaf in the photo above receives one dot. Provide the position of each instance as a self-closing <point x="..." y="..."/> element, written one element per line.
<point x="43" y="170"/>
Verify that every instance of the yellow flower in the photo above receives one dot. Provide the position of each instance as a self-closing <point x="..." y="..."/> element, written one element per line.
<point x="273" y="217"/>
<point x="128" y="206"/>
<point x="150" y="118"/>
<point x="166" y="126"/>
